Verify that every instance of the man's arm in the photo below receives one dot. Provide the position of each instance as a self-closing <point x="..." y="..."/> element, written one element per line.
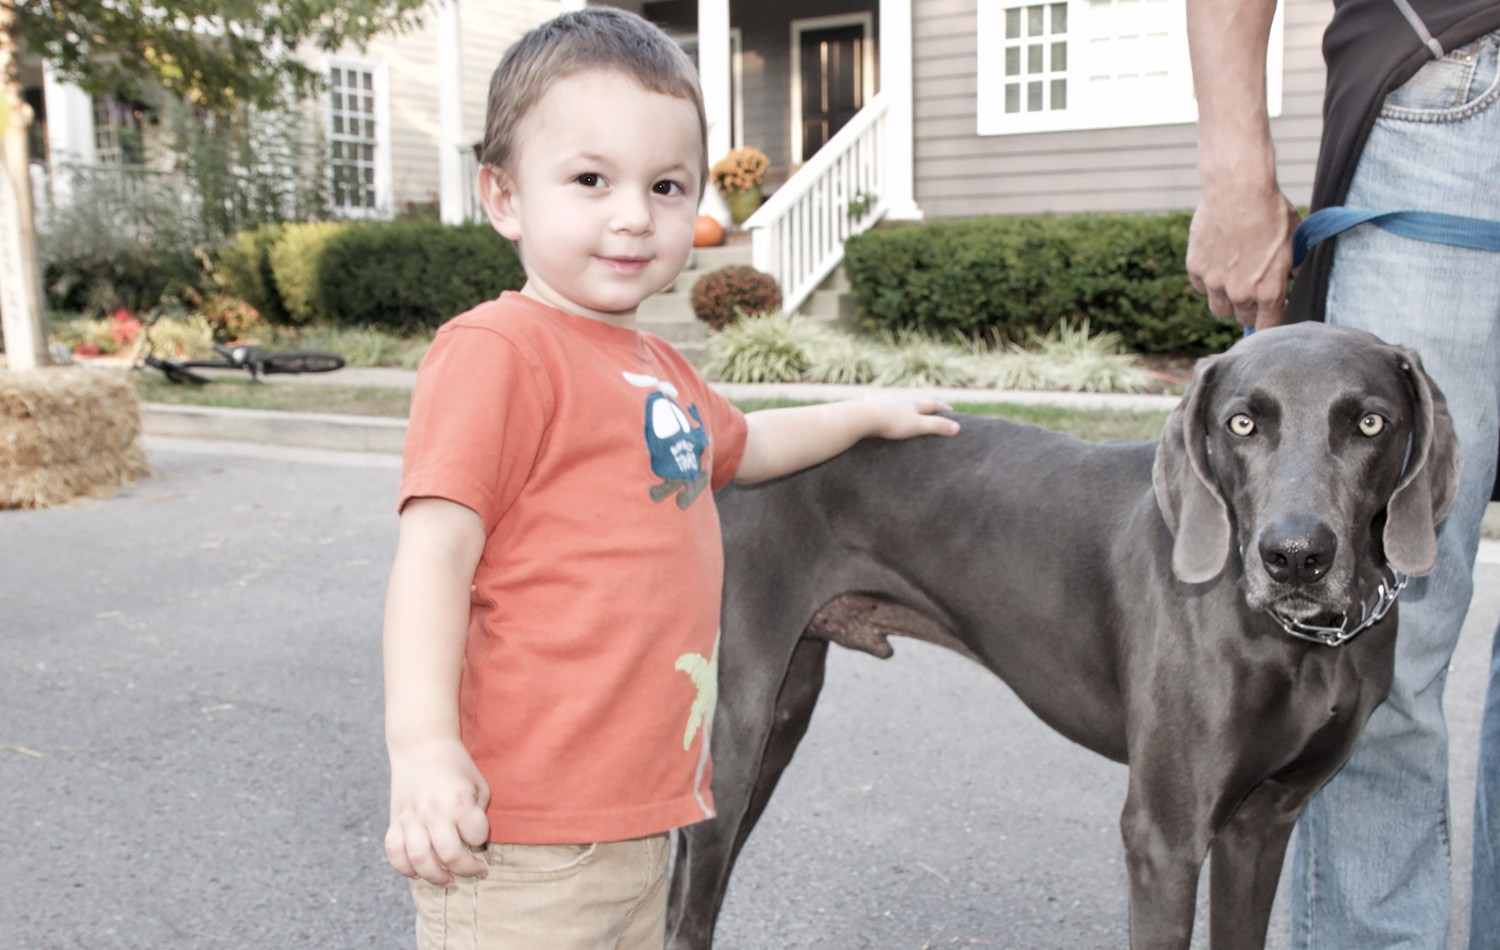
<point x="1239" y="247"/>
<point x="782" y="441"/>
<point x="437" y="794"/>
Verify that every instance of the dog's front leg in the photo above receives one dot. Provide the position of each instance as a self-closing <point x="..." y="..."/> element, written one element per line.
<point x="1164" y="850"/>
<point x="1246" y="865"/>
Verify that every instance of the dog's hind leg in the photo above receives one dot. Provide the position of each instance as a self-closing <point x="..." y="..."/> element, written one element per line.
<point x="745" y="739"/>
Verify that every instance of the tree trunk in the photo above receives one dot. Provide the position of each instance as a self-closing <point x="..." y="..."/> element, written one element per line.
<point x="23" y="315"/>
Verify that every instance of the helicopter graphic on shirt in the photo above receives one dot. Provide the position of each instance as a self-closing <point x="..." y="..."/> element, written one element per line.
<point x="675" y="440"/>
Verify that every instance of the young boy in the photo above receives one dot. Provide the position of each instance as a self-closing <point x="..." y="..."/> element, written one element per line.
<point x="552" y="621"/>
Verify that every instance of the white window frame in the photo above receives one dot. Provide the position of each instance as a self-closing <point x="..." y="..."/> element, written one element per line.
<point x="380" y="85"/>
<point x="1101" y="35"/>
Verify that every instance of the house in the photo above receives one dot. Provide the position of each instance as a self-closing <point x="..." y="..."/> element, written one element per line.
<point x="382" y="114"/>
<point x="959" y="108"/>
<point x="868" y="109"/>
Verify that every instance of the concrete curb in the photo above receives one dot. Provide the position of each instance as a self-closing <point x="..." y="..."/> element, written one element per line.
<point x="308" y="430"/>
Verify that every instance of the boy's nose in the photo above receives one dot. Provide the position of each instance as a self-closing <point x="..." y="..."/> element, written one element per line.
<point x="631" y="214"/>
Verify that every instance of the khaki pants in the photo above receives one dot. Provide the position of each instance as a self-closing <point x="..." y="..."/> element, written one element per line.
<point x="610" y="896"/>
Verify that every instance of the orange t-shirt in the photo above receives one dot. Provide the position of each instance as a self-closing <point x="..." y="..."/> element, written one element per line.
<point x="591" y="670"/>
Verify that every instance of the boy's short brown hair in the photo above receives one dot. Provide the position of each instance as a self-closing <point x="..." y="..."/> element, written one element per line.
<point x="592" y="38"/>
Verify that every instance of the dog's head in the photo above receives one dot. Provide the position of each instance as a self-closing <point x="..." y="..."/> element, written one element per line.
<point x="1322" y="453"/>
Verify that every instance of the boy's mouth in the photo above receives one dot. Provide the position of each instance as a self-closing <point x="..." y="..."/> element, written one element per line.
<point x="626" y="265"/>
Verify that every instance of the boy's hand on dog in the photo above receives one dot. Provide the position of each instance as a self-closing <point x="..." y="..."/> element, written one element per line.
<point x="438" y="800"/>
<point x="905" y="417"/>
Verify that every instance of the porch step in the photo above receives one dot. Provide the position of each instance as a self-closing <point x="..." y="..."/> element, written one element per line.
<point x="670" y="316"/>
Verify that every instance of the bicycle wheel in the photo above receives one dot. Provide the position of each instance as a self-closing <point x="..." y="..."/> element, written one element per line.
<point x="174" y="372"/>
<point x="299" y="361"/>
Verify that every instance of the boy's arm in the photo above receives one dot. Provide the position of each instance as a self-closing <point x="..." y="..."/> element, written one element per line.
<point x="437" y="794"/>
<point x="782" y="441"/>
<point x="1239" y="245"/>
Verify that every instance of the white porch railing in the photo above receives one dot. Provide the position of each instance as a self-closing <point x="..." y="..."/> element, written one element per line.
<point x="798" y="235"/>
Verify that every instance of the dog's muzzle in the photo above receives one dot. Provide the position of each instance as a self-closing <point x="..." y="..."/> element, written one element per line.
<point x="1392" y="583"/>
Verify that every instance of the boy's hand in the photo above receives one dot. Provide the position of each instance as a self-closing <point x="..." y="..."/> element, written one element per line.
<point x="438" y="799"/>
<point x="905" y="417"/>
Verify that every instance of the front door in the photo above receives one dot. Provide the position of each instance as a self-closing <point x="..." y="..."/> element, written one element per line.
<point x="832" y="67"/>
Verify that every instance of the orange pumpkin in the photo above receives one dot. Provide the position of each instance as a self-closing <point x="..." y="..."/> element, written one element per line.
<point x="707" y="232"/>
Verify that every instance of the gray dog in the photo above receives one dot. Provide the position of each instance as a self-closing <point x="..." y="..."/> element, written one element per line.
<point x="1213" y="609"/>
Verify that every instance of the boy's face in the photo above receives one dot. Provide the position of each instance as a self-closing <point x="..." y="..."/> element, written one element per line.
<point x="601" y="195"/>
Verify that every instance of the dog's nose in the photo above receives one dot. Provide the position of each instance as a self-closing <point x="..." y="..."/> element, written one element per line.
<point x="1298" y="549"/>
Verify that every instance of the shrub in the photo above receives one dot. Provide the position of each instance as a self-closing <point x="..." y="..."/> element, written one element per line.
<point x="721" y="296"/>
<point x="119" y="242"/>
<point x="244" y="268"/>
<point x="297" y="264"/>
<point x="412" y="275"/>
<point x="403" y="275"/>
<point x="1012" y="277"/>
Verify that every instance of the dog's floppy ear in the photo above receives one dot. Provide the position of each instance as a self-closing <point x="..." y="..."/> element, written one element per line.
<point x="1189" y="499"/>
<point x="1427" y="486"/>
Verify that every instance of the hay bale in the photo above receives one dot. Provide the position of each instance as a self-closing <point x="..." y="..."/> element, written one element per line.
<point x="65" y="433"/>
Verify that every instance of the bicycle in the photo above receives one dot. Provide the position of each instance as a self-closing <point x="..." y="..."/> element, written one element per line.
<point x="240" y="357"/>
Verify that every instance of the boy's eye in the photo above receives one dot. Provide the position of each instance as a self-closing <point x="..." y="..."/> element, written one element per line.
<point x="667" y="188"/>
<point x="589" y="180"/>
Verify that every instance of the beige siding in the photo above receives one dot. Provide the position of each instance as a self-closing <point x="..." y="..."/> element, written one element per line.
<point x="962" y="174"/>
<point x="487" y="29"/>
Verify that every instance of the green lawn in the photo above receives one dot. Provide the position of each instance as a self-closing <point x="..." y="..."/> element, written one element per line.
<point x="236" y="393"/>
<point x="232" y="392"/>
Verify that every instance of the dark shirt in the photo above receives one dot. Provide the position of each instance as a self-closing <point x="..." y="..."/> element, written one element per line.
<point x="1371" y="48"/>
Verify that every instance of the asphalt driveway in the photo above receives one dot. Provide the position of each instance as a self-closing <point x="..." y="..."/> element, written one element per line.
<point x="191" y="755"/>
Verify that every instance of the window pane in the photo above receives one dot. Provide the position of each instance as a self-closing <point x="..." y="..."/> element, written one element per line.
<point x="1101" y="60"/>
<point x="1158" y="16"/>
<point x="1060" y="17"/>
<point x="1013" y="61"/>
<point x="1012" y="97"/>
<point x="1034" y="97"/>
<point x="1034" y="25"/>
<point x="1101" y="18"/>
<point x="1059" y="57"/>
<point x="1012" y="23"/>
<point x="1034" y="58"/>
<point x="1059" y="94"/>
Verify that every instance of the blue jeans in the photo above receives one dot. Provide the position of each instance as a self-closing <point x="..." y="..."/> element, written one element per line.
<point x="1371" y="859"/>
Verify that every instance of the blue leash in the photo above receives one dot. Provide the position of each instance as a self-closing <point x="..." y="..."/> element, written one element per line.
<point x="1480" y="234"/>
<point x="1455" y="229"/>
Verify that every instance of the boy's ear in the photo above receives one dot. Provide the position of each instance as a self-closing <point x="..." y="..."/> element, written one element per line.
<point x="498" y="195"/>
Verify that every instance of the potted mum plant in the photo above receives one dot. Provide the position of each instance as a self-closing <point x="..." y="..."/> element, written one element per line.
<point x="738" y="177"/>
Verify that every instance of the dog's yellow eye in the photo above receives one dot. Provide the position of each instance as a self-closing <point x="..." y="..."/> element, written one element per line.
<point x="1241" y="424"/>
<point x="1371" y="425"/>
